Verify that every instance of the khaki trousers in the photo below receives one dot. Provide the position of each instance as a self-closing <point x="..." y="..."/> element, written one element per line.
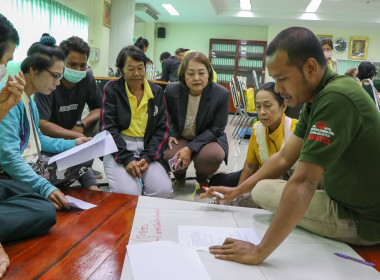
<point x="321" y="217"/>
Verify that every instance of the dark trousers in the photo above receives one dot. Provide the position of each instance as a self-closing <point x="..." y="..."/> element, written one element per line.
<point x="226" y="179"/>
<point x="81" y="172"/>
<point x="23" y="212"/>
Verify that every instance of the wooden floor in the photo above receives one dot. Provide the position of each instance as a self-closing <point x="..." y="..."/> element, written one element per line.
<point x="90" y="244"/>
<point x="82" y="245"/>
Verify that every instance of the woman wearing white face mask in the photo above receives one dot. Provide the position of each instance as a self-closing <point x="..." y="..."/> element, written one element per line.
<point x="11" y="93"/>
<point x="327" y="46"/>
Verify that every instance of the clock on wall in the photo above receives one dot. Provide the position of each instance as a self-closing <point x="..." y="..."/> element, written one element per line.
<point x="340" y="45"/>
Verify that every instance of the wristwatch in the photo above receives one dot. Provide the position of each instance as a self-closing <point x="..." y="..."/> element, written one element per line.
<point x="79" y="123"/>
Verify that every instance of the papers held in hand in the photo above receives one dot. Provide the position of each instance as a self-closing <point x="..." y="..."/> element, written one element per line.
<point x="100" y="145"/>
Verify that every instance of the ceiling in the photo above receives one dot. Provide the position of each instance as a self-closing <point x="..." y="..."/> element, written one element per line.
<point x="347" y="14"/>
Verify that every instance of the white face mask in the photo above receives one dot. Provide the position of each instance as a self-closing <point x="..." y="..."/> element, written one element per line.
<point x="3" y="71"/>
<point x="327" y="54"/>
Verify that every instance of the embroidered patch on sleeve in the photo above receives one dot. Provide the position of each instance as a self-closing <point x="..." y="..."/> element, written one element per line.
<point x="320" y="133"/>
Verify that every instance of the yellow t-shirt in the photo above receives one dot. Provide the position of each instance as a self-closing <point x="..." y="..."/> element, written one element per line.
<point x="139" y="115"/>
<point x="274" y="142"/>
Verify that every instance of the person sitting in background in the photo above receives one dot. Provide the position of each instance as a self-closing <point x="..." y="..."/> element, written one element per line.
<point x="268" y="136"/>
<point x="198" y="110"/>
<point x="23" y="212"/>
<point x="134" y="112"/>
<point x="327" y="46"/>
<point x="366" y="74"/>
<point x="164" y="56"/>
<point x="352" y="72"/>
<point x="142" y="44"/>
<point x="21" y="141"/>
<point x="170" y="66"/>
<point x="61" y="111"/>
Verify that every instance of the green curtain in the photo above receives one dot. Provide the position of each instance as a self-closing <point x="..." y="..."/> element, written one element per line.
<point x="32" y="18"/>
<point x="344" y="65"/>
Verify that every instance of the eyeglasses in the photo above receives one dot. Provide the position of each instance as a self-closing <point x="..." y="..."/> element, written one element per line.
<point x="55" y="76"/>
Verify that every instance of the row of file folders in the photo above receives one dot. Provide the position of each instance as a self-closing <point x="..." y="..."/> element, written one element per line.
<point x="225" y="78"/>
<point x="228" y="63"/>
<point x="231" y="49"/>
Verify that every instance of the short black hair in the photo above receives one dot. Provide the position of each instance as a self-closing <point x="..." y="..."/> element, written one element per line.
<point x="366" y="70"/>
<point x="42" y="55"/>
<point x="7" y="34"/>
<point x="75" y="43"/>
<point x="270" y="87"/>
<point x="180" y="50"/>
<point x="131" y="51"/>
<point x="327" y="41"/>
<point x="165" y="55"/>
<point x="141" y="43"/>
<point x="300" y="44"/>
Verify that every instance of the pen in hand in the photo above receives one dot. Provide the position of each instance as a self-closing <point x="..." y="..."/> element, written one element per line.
<point x="218" y="194"/>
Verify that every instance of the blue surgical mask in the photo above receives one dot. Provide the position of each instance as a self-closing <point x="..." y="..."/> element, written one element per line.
<point x="74" y="76"/>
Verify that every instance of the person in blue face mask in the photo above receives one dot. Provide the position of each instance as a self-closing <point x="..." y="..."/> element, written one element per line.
<point x="61" y="111"/>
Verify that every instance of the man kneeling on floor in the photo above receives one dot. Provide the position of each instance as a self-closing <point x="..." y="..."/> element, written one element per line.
<point x="336" y="137"/>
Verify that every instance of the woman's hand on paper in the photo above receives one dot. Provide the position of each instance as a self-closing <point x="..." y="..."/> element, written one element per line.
<point x="238" y="251"/>
<point x="59" y="200"/>
<point x="228" y="192"/>
<point x="81" y="140"/>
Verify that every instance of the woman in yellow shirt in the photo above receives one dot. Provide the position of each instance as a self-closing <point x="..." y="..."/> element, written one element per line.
<point x="268" y="135"/>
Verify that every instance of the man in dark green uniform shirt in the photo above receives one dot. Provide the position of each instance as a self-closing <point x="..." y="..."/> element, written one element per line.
<point x="337" y="137"/>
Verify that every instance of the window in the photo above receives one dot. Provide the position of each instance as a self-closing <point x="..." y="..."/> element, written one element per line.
<point x="32" y="18"/>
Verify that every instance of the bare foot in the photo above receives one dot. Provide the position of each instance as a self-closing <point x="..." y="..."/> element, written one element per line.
<point x="4" y="261"/>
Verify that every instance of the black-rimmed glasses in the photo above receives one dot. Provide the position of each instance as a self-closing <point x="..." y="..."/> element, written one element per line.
<point x="55" y="76"/>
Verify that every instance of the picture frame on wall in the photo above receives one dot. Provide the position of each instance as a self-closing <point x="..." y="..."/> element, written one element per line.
<point x="322" y="37"/>
<point x="107" y="14"/>
<point x="358" y="48"/>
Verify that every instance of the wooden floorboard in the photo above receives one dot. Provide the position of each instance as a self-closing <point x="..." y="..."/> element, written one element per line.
<point x="43" y="254"/>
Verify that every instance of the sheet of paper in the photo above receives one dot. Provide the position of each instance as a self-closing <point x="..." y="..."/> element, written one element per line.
<point x="100" y="145"/>
<point x="302" y="255"/>
<point x="80" y="204"/>
<point x="201" y="237"/>
<point x="165" y="260"/>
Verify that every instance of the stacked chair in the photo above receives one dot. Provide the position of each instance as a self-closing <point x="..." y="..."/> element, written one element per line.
<point x="245" y="119"/>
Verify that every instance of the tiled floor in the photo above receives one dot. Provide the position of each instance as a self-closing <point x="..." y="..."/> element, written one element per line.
<point x="237" y="155"/>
